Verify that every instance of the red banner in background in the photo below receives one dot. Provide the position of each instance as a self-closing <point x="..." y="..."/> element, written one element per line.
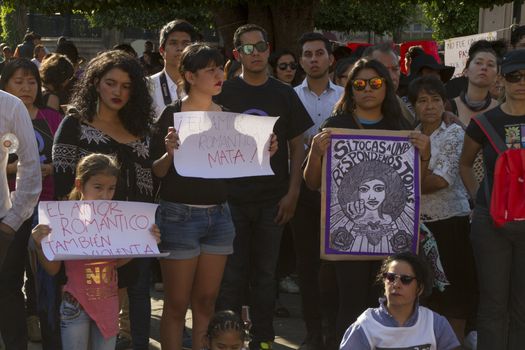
<point x="429" y="46"/>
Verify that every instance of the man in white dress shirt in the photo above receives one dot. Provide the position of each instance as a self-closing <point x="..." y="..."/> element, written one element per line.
<point x="319" y="95"/>
<point x="174" y="37"/>
<point x="15" y="209"/>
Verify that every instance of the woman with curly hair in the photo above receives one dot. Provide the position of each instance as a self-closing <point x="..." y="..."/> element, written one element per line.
<point x="111" y="114"/>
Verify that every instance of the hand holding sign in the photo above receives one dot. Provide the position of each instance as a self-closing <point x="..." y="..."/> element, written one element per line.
<point x="171" y="141"/>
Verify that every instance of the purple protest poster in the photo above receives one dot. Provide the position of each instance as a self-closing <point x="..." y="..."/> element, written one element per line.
<point x="370" y="195"/>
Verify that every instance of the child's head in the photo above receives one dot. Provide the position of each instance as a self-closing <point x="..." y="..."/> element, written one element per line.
<point x="96" y="178"/>
<point x="225" y="331"/>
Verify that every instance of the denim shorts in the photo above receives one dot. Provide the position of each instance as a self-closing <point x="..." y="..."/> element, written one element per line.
<point x="188" y="231"/>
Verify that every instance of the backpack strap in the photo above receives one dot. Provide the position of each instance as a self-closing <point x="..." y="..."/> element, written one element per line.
<point x="497" y="143"/>
<point x="495" y="140"/>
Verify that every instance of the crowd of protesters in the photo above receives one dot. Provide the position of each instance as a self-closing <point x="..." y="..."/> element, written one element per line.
<point x="72" y="130"/>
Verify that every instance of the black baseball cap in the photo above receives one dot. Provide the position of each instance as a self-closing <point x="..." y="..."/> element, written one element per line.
<point x="513" y="61"/>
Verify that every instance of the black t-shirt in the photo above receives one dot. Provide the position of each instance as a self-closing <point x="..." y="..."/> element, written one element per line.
<point x="512" y="131"/>
<point x="177" y="188"/>
<point x="275" y="99"/>
<point x="346" y="121"/>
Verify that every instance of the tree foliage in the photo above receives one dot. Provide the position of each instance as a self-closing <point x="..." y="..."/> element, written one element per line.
<point x="13" y="24"/>
<point x="379" y="16"/>
<point x="144" y="16"/>
<point x="449" y="20"/>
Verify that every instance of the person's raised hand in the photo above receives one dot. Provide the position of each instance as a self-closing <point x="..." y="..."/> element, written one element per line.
<point x="171" y="140"/>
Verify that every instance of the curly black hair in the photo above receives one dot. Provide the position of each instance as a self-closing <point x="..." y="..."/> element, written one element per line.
<point x="137" y="114"/>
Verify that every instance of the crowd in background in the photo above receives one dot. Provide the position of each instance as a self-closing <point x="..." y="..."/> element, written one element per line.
<point x="104" y="130"/>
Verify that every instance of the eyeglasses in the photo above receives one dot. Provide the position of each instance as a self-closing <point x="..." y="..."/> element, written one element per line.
<point x="247" y="49"/>
<point x="391" y="277"/>
<point x="374" y="83"/>
<point x="283" y="66"/>
<point x="514" y="77"/>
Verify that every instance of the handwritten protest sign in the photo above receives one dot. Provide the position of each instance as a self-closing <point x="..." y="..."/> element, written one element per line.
<point x="223" y="145"/>
<point x="98" y="229"/>
<point x="456" y="49"/>
<point x="370" y="195"/>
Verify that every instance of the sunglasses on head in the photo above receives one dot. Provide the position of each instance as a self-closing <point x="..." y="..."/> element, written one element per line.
<point x="514" y="77"/>
<point x="248" y="49"/>
<point x="391" y="277"/>
<point x="374" y="83"/>
<point x="283" y="66"/>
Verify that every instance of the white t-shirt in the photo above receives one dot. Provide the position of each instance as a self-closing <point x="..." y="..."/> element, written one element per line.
<point x="420" y="336"/>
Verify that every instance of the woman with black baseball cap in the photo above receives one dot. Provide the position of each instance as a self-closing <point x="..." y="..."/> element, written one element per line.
<point x="499" y="253"/>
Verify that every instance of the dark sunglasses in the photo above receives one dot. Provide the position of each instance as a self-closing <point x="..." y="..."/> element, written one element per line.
<point x="391" y="277"/>
<point x="374" y="83"/>
<point x="514" y="77"/>
<point x="283" y="66"/>
<point x="248" y="49"/>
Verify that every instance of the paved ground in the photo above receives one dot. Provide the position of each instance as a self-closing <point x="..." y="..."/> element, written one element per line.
<point x="290" y="331"/>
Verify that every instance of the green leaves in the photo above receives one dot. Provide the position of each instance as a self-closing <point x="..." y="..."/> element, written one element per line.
<point x="380" y="16"/>
<point x="148" y="17"/>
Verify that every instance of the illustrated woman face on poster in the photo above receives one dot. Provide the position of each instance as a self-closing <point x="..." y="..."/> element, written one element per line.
<point x="372" y="196"/>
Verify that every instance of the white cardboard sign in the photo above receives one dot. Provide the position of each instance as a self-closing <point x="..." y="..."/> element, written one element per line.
<point x="223" y="145"/>
<point x="98" y="229"/>
<point x="456" y="50"/>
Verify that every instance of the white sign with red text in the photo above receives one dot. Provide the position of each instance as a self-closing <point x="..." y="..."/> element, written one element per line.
<point x="218" y="145"/>
<point x="98" y="229"/>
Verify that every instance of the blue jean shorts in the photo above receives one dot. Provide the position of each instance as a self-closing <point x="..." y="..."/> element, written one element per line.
<point x="188" y="231"/>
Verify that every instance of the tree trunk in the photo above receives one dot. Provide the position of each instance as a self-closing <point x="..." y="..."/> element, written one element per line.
<point x="284" y="21"/>
<point x="19" y="25"/>
<point x="227" y="20"/>
<point x="290" y="20"/>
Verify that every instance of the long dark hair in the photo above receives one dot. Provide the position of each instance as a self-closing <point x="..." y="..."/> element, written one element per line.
<point x="389" y="108"/>
<point x="27" y="67"/>
<point x="137" y="114"/>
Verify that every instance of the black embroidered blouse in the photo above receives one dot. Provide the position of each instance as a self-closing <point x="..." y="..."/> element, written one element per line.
<point x="76" y="139"/>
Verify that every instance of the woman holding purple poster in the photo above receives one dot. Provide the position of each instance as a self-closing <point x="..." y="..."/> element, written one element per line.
<point x="369" y="102"/>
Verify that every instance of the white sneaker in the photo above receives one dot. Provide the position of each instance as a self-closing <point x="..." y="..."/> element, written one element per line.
<point x="288" y="285"/>
<point x="471" y="340"/>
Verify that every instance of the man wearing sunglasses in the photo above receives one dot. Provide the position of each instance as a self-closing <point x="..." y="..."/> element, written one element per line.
<point x="319" y="95"/>
<point x="260" y="206"/>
